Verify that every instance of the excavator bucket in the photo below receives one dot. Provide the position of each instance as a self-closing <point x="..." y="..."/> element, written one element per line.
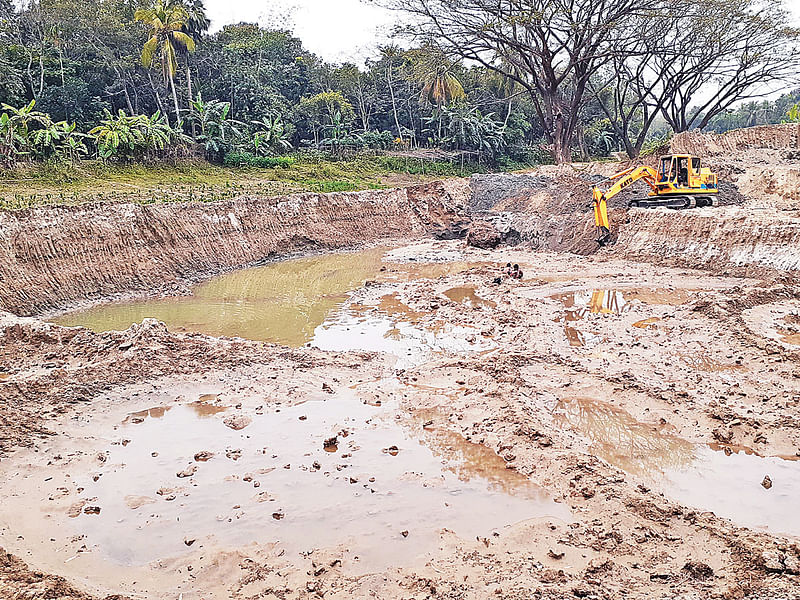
<point x="601" y="216"/>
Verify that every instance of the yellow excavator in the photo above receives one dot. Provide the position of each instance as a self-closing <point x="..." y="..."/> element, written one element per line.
<point x="679" y="183"/>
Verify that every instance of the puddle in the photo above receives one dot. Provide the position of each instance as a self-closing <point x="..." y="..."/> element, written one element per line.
<point x="411" y="343"/>
<point x="283" y="302"/>
<point x="327" y="472"/>
<point x="726" y="483"/>
<point x="621" y="440"/>
<point x="582" y="303"/>
<point x="469" y="461"/>
<point x="462" y="295"/>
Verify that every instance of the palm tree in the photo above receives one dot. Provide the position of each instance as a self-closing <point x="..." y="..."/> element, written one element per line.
<point x="197" y="23"/>
<point x="441" y="87"/>
<point x="167" y="20"/>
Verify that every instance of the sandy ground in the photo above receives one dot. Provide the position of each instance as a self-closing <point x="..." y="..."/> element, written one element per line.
<point x="604" y="402"/>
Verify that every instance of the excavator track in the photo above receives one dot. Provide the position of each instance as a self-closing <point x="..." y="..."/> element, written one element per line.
<point x="673" y="202"/>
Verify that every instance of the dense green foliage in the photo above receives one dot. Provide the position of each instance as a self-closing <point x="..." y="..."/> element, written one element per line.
<point x="143" y="81"/>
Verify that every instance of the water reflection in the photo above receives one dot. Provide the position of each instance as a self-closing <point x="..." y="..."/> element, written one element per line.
<point x="283" y="302"/>
<point x="621" y="440"/>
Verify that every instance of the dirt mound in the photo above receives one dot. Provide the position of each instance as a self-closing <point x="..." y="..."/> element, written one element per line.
<point x="483" y="234"/>
<point x="774" y="137"/>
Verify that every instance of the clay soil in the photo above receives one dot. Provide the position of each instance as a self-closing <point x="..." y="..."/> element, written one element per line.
<point x="705" y="369"/>
<point x="599" y="379"/>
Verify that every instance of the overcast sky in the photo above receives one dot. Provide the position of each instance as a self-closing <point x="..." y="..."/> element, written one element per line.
<point x="337" y="30"/>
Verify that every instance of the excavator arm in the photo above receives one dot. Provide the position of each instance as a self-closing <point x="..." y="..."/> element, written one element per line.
<point x="603" y="192"/>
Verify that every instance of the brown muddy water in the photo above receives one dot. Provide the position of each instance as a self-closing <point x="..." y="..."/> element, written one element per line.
<point x="727" y="483"/>
<point x="339" y="470"/>
<point x="282" y="302"/>
<point x="179" y="478"/>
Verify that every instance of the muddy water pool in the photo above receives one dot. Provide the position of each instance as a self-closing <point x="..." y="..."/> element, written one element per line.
<point x="282" y="302"/>
<point x="727" y="482"/>
<point x="178" y="478"/>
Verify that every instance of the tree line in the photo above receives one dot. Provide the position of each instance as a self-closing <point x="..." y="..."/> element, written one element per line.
<point x="505" y="82"/>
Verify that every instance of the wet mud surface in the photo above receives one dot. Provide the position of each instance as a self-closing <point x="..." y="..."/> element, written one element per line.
<point x="601" y="428"/>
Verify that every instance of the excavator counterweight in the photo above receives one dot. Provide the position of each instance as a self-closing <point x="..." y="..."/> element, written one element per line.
<point x="680" y="182"/>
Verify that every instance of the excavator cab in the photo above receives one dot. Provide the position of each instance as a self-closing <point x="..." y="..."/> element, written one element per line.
<point x="679" y="182"/>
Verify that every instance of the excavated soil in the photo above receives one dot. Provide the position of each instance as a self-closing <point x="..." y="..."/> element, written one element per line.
<point x="406" y="421"/>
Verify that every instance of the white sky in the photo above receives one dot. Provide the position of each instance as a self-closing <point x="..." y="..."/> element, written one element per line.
<point x="337" y="30"/>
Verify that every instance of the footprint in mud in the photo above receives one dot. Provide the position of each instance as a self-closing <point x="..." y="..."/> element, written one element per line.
<point x="134" y="502"/>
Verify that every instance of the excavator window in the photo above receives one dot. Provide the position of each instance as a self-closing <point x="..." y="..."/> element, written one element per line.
<point x="683" y="171"/>
<point x="696" y="165"/>
<point x="664" y="169"/>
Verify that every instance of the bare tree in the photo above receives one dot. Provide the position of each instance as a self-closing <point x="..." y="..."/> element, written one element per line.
<point x="691" y="60"/>
<point x="552" y="48"/>
<point x="725" y="51"/>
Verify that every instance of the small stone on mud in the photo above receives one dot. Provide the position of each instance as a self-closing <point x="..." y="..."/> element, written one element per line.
<point x="327" y="389"/>
<point x="233" y="454"/>
<point x="392" y="450"/>
<point x="330" y="445"/>
<point x="277" y="515"/>
<point x="555" y="555"/>
<point x="237" y="422"/>
<point x="125" y="345"/>
<point x="767" y="483"/>
<point x="203" y="456"/>
<point x="302" y="417"/>
<point x="698" y="570"/>
<point x="404" y="534"/>
<point x="188" y="541"/>
<point x="187" y="472"/>
<point x="92" y="510"/>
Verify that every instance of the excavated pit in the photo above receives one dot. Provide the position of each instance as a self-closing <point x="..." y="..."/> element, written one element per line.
<point x="344" y="400"/>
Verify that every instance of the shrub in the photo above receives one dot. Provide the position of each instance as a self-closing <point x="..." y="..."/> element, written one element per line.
<point x="248" y="159"/>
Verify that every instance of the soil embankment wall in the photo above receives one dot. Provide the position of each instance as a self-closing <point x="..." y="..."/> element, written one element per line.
<point x="717" y="239"/>
<point x="56" y="256"/>
<point x="770" y="137"/>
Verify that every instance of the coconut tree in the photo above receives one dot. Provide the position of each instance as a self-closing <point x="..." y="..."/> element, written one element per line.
<point x="167" y="39"/>
<point x="196" y="24"/>
<point x="441" y="88"/>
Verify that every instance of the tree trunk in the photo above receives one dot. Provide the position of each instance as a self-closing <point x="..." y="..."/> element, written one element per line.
<point x="562" y="137"/>
<point x="394" y="103"/>
<point x="175" y="99"/>
<point x="508" y="112"/>
<point x="189" y="89"/>
<point x="158" y="97"/>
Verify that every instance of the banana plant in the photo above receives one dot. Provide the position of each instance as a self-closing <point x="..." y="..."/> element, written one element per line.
<point x="118" y="134"/>
<point x="17" y="127"/>
<point x="271" y="136"/>
<point x="218" y="132"/>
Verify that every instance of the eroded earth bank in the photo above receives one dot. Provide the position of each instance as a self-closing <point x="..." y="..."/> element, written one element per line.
<point x="379" y="417"/>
